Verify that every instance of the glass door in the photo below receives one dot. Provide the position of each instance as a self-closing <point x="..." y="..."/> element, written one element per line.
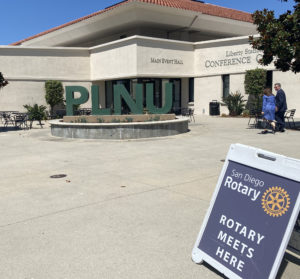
<point x="176" y="96"/>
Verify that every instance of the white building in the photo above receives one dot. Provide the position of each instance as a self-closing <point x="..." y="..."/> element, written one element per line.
<point x="201" y="48"/>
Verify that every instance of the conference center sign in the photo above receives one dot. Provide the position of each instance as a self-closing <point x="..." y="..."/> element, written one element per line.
<point x="234" y="58"/>
<point x="252" y="214"/>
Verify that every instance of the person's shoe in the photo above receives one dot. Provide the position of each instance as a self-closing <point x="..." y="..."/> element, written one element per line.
<point x="282" y="130"/>
<point x="264" y="132"/>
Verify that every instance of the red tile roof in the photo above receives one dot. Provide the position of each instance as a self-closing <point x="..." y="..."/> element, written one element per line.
<point x="191" y="5"/>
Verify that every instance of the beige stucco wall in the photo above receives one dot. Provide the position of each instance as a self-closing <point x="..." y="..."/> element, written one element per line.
<point x="205" y="90"/>
<point x="142" y="57"/>
<point x="101" y="85"/>
<point x="44" y="63"/>
<point x="219" y="60"/>
<point x="18" y="93"/>
<point x="115" y="60"/>
<point x="162" y="58"/>
<point x="210" y="88"/>
<point x="28" y="68"/>
<point x="209" y="74"/>
<point x="290" y="83"/>
<point x="237" y="83"/>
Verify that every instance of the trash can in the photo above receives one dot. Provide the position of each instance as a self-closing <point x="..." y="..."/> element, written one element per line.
<point x="214" y="107"/>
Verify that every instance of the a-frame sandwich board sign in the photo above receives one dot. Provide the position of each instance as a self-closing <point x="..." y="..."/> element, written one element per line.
<point x="251" y="215"/>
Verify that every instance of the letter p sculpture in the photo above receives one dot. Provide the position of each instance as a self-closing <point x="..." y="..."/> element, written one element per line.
<point x="71" y="100"/>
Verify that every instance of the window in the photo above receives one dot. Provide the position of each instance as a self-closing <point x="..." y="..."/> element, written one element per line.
<point x="269" y="82"/>
<point x="109" y="96"/>
<point x="158" y="90"/>
<point x="225" y="79"/>
<point x="191" y="90"/>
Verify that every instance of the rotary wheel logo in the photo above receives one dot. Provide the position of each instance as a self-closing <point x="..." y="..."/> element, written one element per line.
<point x="275" y="201"/>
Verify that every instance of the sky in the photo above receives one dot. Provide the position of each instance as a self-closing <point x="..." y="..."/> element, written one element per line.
<point x="20" y="19"/>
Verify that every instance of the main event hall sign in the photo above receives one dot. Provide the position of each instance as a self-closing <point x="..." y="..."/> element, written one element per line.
<point x="252" y="214"/>
<point x="160" y="60"/>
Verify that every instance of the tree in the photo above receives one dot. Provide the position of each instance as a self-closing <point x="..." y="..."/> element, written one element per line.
<point x="3" y="81"/>
<point x="54" y="93"/>
<point x="255" y="83"/>
<point x="279" y="38"/>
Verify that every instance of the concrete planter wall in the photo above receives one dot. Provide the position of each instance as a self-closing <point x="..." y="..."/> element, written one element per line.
<point x="132" y="130"/>
<point x="129" y="118"/>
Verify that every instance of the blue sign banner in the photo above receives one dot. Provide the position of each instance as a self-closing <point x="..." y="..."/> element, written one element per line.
<point x="248" y="220"/>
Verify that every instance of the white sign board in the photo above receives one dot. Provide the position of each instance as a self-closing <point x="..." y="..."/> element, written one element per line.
<point x="252" y="214"/>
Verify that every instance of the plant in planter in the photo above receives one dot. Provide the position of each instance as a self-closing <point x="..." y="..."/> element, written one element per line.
<point x="36" y="112"/>
<point x="129" y="119"/>
<point x="235" y="103"/>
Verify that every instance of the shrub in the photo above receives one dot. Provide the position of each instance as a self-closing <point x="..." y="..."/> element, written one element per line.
<point x="235" y="103"/>
<point x="255" y="82"/>
<point x="81" y="120"/>
<point x="54" y="93"/>
<point x="36" y="112"/>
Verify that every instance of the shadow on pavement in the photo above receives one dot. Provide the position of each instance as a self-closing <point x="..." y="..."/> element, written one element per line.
<point x="9" y="129"/>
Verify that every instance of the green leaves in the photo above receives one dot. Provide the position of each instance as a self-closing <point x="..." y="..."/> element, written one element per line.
<point x="255" y="83"/>
<point x="36" y="112"/>
<point x="279" y="38"/>
<point x="54" y="93"/>
<point x="235" y="103"/>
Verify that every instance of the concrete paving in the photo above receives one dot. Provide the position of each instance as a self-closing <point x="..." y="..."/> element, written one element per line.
<point x="126" y="209"/>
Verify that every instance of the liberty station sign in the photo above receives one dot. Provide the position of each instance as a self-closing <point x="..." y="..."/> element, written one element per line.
<point x="233" y="58"/>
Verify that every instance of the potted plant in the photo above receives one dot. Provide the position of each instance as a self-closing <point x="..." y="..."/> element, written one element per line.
<point x="36" y="112"/>
<point x="235" y="103"/>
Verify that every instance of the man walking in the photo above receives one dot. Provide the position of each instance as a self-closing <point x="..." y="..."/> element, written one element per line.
<point x="281" y="107"/>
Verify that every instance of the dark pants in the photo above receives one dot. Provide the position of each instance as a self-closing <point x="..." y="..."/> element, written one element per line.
<point x="279" y="117"/>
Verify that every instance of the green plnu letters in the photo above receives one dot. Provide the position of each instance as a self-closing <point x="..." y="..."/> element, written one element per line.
<point x="120" y="92"/>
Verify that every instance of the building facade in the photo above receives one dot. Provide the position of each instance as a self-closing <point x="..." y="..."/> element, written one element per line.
<point x="202" y="49"/>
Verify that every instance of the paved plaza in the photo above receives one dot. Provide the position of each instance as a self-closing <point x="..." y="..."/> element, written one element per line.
<point x="126" y="209"/>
